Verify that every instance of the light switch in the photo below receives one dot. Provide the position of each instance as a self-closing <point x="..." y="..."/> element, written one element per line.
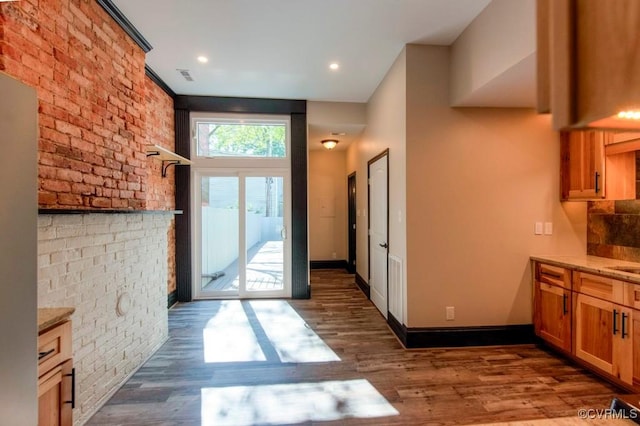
<point x="548" y="228"/>
<point x="538" y="228"/>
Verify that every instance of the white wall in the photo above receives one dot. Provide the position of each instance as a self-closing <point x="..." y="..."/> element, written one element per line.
<point x="328" y="209"/>
<point x="477" y="181"/>
<point x="18" y="221"/>
<point x="90" y="262"/>
<point x="386" y="129"/>
<point x="493" y="60"/>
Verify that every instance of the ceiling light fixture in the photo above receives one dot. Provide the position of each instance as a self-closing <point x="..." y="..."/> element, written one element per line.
<point x="329" y="143"/>
<point x="203" y="59"/>
<point x="334" y="66"/>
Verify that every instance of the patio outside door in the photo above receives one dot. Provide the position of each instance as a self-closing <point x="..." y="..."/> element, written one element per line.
<point x="243" y="248"/>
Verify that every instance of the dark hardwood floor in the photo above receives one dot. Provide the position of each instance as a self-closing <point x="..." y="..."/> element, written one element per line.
<point x="257" y="362"/>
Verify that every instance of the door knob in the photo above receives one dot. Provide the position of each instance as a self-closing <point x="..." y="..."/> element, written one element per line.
<point x="383" y="245"/>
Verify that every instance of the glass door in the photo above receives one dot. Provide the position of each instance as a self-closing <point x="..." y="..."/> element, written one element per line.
<point x="242" y="219"/>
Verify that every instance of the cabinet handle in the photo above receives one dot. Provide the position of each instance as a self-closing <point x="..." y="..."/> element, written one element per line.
<point x="73" y="388"/>
<point x="44" y="354"/>
<point x="624" y="325"/>
<point x="597" y="179"/>
<point x="564" y="304"/>
<point x="615" y="321"/>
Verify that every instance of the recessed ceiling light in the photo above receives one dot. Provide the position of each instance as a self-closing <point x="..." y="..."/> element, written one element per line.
<point x="334" y="66"/>
<point x="203" y="59"/>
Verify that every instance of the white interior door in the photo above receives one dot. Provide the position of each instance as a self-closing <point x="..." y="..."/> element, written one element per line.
<point x="378" y="234"/>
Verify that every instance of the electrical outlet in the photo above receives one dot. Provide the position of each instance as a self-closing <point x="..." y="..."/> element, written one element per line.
<point x="548" y="228"/>
<point x="450" y="313"/>
<point x="333" y="254"/>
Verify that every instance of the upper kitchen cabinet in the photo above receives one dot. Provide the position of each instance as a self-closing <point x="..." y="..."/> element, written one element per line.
<point x="588" y="63"/>
<point x="591" y="171"/>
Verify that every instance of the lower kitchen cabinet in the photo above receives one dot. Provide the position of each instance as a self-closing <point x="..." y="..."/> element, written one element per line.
<point x="603" y="336"/>
<point x="55" y="395"/>
<point x="552" y="321"/>
<point x="56" y="376"/>
<point x="595" y="320"/>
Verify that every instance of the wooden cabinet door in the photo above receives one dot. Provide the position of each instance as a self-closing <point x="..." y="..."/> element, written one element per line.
<point x="635" y="347"/>
<point x="552" y="321"/>
<point x="55" y="396"/>
<point x="593" y="331"/>
<point x="582" y="170"/>
<point x="603" y="335"/>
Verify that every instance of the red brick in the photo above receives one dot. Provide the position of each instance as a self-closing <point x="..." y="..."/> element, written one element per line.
<point x="93" y="180"/>
<point x="55" y="185"/>
<point x="70" y="199"/>
<point x="102" y="171"/>
<point x="119" y="203"/>
<point x="100" y="202"/>
<point x="55" y="136"/>
<point x="69" y="175"/>
<point x="81" y="188"/>
<point x="82" y="145"/>
<point x="47" y="199"/>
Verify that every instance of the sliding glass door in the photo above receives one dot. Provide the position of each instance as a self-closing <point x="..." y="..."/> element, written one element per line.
<point x="241" y="222"/>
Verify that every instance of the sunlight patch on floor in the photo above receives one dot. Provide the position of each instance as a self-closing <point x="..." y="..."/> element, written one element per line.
<point x="289" y="334"/>
<point x="262" y="330"/>
<point x="228" y="336"/>
<point x="292" y="403"/>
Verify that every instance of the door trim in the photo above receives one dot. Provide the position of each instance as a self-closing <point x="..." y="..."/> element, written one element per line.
<point x="351" y="223"/>
<point x="242" y="174"/>
<point x="371" y="161"/>
<point x="297" y="109"/>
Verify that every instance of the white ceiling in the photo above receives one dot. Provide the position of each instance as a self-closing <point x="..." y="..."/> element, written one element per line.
<point x="282" y="48"/>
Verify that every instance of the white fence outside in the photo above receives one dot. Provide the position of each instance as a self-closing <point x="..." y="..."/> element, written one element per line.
<point x="220" y="245"/>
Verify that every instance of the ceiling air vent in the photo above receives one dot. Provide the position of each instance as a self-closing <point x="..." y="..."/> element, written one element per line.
<point x="185" y="74"/>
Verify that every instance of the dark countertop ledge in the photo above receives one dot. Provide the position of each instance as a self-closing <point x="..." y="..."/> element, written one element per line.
<point x="106" y="211"/>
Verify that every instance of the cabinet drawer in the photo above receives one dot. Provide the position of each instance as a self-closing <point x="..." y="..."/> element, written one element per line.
<point x="601" y="287"/>
<point x="554" y="275"/>
<point x="632" y="295"/>
<point x="54" y="347"/>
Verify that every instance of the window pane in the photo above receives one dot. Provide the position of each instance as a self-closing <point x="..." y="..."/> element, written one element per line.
<point x="260" y="140"/>
<point x="264" y="224"/>
<point x="220" y="234"/>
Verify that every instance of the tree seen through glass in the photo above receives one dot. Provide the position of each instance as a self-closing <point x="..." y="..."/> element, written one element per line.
<point x="241" y="140"/>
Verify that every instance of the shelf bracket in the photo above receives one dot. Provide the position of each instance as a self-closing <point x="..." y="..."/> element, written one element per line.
<point x="168" y="163"/>
<point x="167" y="157"/>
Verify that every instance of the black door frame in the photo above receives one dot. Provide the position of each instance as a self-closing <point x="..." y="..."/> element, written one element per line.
<point x="351" y="232"/>
<point x="297" y="109"/>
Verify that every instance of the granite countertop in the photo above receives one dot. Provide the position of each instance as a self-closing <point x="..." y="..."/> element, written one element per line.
<point x="593" y="264"/>
<point x="48" y="317"/>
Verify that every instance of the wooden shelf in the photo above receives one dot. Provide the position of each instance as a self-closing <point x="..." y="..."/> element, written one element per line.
<point x="167" y="157"/>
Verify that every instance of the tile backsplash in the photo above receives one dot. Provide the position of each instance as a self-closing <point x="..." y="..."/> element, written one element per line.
<point x="613" y="229"/>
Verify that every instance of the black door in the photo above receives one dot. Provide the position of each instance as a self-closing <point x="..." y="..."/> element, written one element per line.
<point x="351" y="187"/>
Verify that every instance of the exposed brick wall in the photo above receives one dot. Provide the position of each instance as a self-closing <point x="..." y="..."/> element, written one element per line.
<point x="97" y="112"/>
<point x="89" y="261"/>
<point x="93" y="109"/>
<point x="160" y="120"/>
<point x="160" y="130"/>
